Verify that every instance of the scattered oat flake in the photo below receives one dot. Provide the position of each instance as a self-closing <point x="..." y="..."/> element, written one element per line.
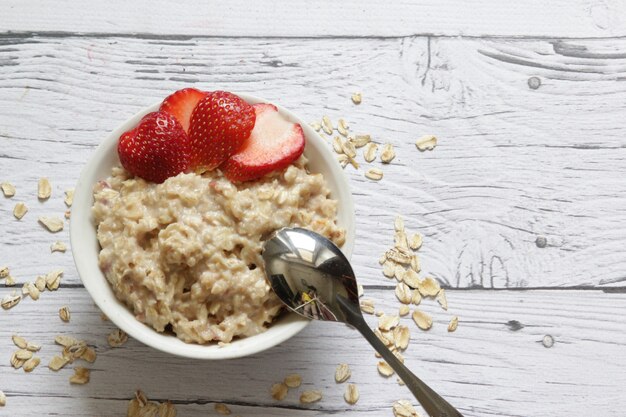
<point x="8" y="189"/>
<point x="411" y="278"/>
<point x="347" y="148"/>
<point x="89" y="355"/>
<point x="359" y="289"/>
<point x="342" y="373"/>
<point x="400" y="382"/>
<point x="398" y="224"/>
<point x="442" y="299"/>
<point x="33" y="347"/>
<point x="386" y="323"/>
<point x="387" y="154"/>
<point x="342" y="127"/>
<point x="15" y="362"/>
<point x="10" y="300"/>
<point x="367" y="306"/>
<point x="4" y="272"/>
<point x="293" y="380"/>
<point x="337" y="145"/>
<point x="384" y="369"/>
<point x="24" y="354"/>
<point x="64" y="314"/>
<point x="404" y="310"/>
<point x="403" y="408"/>
<point x="363" y="140"/>
<point x="369" y="154"/>
<point x="308" y="397"/>
<point x="352" y="394"/>
<point x="415" y="263"/>
<point x="356" y="98"/>
<point x="67" y="214"/>
<point x="58" y="246"/>
<point x="423" y="320"/>
<point x="429" y="287"/>
<point x="327" y="125"/>
<point x="44" y="189"/>
<point x="81" y="376"/>
<point x="400" y="240"/>
<point x="19" y="341"/>
<point x="384" y="337"/>
<point x="52" y="223"/>
<point x="316" y="126"/>
<point x="399" y="272"/>
<point x="9" y="281"/>
<point x="416" y="241"/>
<point x="33" y="291"/>
<point x="117" y="338"/>
<point x="401" y="336"/>
<point x="31" y="364"/>
<point x="20" y="210"/>
<point x="379" y="313"/>
<point x="426" y="143"/>
<point x="40" y="282"/>
<point x="454" y="323"/>
<point x="65" y="341"/>
<point x="57" y="362"/>
<point x="279" y="391"/>
<point x="374" y="174"/>
<point x="222" y="409"/>
<point x="403" y="293"/>
<point x="399" y="255"/>
<point x="53" y="279"/>
<point x="389" y="269"/>
<point x="69" y="197"/>
<point x="3" y="399"/>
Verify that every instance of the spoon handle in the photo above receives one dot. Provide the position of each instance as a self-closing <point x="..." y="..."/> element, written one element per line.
<point x="432" y="402"/>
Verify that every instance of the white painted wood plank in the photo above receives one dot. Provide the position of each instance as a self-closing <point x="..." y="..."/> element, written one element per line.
<point x="513" y="163"/>
<point x="491" y="366"/>
<point x="556" y="18"/>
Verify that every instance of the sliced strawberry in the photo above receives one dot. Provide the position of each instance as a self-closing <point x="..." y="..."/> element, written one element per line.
<point x="158" y="148"/>
<point x="274" y="143"/>
<point x="220" y="124"/>
<point x="181" y="103"/>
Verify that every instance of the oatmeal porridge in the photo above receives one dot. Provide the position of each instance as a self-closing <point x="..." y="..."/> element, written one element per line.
<point x="185" y="255"/>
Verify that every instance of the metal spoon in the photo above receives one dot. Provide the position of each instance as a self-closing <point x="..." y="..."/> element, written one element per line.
<point x="314" y="279"/>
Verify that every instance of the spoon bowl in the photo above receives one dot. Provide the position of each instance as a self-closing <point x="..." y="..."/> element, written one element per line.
<point x="313" y="278"/>
<point x="309" y="274"/>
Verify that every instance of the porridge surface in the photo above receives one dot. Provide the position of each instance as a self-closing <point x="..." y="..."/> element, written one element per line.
<point x="185" y="254"/>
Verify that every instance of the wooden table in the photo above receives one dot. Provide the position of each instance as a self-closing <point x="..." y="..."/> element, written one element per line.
<point x="528" y="101"/>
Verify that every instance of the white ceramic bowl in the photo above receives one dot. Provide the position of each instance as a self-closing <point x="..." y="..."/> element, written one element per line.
<point x="85" y="247"/>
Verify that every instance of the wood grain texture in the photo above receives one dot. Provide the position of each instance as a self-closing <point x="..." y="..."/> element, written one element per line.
<point x="266" y="18"/>
<point x="494" y="365"/>
<point x="513" y="163"/>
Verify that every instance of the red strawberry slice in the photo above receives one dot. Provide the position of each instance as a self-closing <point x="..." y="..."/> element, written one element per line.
<point x="274" y="143"/>
<point x="181" y="103"/>
<point x="220" y="124"/>
<point x="158" y="148"/>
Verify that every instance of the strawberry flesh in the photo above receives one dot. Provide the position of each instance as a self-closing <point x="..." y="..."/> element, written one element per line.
<point x="181" y="104"/>
<point x="273" y="145"/>
<point x="220" y="124"/>
<point x="158" y="148"/>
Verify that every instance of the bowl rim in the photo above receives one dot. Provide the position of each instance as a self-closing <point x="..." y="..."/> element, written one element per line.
<point x="276" y="334"/>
